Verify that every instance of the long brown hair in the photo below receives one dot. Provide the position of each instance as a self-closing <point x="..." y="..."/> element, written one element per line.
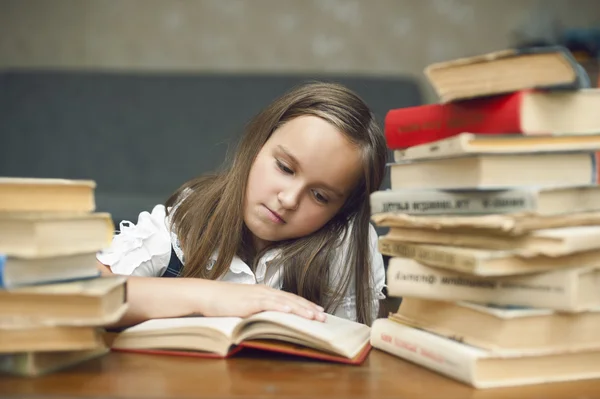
<point x="209" y="215"/>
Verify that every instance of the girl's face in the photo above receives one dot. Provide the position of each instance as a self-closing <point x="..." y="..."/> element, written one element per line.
<point x="299" y="180"/>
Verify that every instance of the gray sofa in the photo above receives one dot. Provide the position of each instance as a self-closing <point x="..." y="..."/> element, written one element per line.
<point x="139" y="136"/>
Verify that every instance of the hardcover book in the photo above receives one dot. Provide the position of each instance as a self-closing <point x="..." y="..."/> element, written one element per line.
<point x="478" y="367"/>
<point x="547" y="67"/>
<point x="528" y="113"/>
<point x="336" y="339"/>
<point x="503" y="329"/>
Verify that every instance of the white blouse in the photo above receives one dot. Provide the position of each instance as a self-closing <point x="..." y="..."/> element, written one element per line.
<point x="145" y="250"/>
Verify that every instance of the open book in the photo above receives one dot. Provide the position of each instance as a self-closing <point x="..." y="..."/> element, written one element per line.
<point x="335" y="339"/>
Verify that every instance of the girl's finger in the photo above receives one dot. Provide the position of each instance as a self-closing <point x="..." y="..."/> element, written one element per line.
<point x="307" y="312"/>
<point x="302" y="301"/>
<point x="286" y="306"/>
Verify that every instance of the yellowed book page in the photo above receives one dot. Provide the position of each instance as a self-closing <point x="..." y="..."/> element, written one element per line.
<point x="561" y="112"/>
<point x="512" y="224"/>
<point x="27" y="181"/>
<point x="223" y="325"/>
<point x="469" y="143"/>
<point x="551" y="242"/>
<point x="88" y="287"/>
<point x="345" y="336"/>
<point x="557" y="290"/>
<point x="46" y="195"/>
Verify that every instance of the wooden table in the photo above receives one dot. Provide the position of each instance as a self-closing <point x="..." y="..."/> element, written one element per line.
<point x="119" y="375"/>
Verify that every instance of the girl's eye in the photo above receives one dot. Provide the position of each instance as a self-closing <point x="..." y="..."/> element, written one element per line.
<point x="319" y="197"/>
<point x="284" y="168"/>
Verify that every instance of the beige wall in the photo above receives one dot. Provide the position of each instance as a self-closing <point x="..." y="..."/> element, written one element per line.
<point x="377" y="37"/>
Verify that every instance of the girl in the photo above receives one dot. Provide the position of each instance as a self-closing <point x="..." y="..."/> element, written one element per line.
<point x="288" y="219"/>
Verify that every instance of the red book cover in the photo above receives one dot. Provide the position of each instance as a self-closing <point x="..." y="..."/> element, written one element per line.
<point x="265" y="345"/>
<point x="406" y="127"/>
<point x="303" y="351"/>
<point x="174" y="352"/>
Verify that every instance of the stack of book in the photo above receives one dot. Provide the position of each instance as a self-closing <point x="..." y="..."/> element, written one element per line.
<point x="52" y="299"/>
<point x="494" y="222"/>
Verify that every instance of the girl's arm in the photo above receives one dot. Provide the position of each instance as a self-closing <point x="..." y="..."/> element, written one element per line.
<point x="157" y="297"/>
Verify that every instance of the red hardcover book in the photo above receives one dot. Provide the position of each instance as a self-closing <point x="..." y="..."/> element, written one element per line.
<point x="336" y="340"/>
<point x="285" y="348"/>
<point x="524" y="112"/>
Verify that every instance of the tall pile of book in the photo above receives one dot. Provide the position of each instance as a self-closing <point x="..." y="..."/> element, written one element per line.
<point x="53" y="302"/>
<point x="494" y="222"/>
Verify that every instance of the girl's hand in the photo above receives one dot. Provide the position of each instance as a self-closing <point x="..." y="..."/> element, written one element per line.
<point x="220" y="298"/>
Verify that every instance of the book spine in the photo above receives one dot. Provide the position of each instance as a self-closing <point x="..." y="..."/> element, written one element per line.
<point x="406" y="127"/>
<point x="2" y="268"/>
<point x="430" y="256"/>
<point x="595" y="168"/>
<point x="554" y="290"/>
<point x="425" y="349"/>
<point x="442" y="202"/>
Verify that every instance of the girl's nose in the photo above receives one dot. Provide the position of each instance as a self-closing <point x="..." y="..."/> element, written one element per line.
<point x="289" y="198"/>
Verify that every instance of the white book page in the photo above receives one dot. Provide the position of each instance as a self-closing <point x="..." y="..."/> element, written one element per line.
<point x="346" y="335"/>
<point x="224" y="325"/>
<point x="566" y="232"/>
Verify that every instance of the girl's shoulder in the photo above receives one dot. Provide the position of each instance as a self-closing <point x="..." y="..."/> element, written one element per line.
<point x="142" y="248"/>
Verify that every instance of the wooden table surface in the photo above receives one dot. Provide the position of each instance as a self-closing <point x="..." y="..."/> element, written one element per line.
<point x="120" y="375"/>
